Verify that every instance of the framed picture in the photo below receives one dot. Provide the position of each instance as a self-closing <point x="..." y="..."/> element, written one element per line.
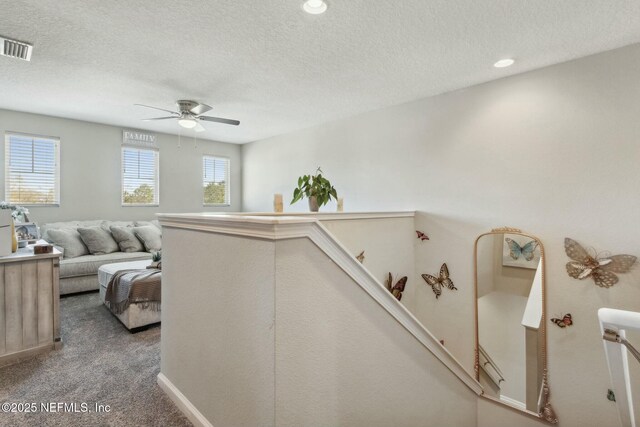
<point x="27" y="231"/>
<point x="520" y="251"/>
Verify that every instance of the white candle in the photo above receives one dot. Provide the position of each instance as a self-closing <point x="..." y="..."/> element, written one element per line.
<point x="340" y="204"/>
<point x="277" y="203"/>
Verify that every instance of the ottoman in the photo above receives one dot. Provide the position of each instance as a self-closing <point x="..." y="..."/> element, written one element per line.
<point x="134" y="316"/>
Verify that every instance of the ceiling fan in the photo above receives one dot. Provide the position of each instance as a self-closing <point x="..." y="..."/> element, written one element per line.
<point x="189" y="115"/>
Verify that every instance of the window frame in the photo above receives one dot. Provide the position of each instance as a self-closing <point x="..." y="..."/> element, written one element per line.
<point x="227" y="181"/>
<point x="7" y="169"/>
<point x="156" y="201"/>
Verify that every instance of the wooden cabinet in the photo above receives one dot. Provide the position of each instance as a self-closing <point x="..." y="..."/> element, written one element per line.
<point x="29" y="304"/>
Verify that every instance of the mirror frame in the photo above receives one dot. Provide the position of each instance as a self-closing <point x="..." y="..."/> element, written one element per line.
<point x="546" y="410"/>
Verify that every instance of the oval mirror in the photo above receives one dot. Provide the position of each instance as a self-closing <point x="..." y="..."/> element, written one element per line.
<point x="510" y="359"/>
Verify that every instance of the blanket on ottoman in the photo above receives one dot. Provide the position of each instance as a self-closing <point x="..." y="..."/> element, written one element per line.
<point x="140" y="287"/>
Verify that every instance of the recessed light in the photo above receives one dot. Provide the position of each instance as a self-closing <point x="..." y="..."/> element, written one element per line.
<point x="504" y="63"/>
<point x="314" y="7"/>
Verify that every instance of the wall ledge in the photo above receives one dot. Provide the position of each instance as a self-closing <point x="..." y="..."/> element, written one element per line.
<point x="304" y="226"/>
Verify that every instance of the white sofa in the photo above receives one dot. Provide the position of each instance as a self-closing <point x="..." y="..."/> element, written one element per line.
<point x="80" y="274"/>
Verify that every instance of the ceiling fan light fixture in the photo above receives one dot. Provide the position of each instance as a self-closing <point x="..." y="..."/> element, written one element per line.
<point x="315" y="7"/>
<point x="187" y="123"/>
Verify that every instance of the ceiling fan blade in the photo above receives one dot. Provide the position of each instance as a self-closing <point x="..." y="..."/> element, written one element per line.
<point x="156" y="108"/>
<point x="219" y="120"/>
<point x="160" y="118"/>
<point x="200" y="109"/>
<point x="199" y="128"/>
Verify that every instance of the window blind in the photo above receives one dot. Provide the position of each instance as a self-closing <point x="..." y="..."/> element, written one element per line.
<point x="32" y="169"/>
<point x="140" y="176"/>
<point x="215" y="180"/>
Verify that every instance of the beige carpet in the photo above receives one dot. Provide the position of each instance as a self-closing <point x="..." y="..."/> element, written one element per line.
<point x="101" y="362"/>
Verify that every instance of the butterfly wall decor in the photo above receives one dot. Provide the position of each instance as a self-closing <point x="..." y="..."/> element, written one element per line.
<point x="601" y="269"/>
<point x="526" y="251"/>
<point x="422" y="236"/>
<point x="397" y="289"/>
<point x="360" y="257"/>
<point x="564" y="321"/>
<point x="520" y="251"/>
<point x="437" y="283"/>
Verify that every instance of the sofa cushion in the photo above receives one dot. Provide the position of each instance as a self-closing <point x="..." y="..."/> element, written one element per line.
<point x="89" y="264"/>
<point x="69" y="240"/>
<point x="44" y="229"/>
<point x="154" y="222"/>
<point x="108" y="224"/>
<point x="127" y="241"/>
<point x="150" y="236"/>
<point x="98" y="240"/>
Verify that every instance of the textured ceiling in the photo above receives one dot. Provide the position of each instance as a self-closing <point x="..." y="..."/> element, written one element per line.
<point x="276" y="68"/>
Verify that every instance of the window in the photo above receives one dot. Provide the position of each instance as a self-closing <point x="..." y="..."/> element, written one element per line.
<point x="215" y="180"/>
<point x="140" y="177"/>
<point x="32" y="169"/>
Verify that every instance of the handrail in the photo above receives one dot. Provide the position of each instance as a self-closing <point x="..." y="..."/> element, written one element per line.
<point x="613" y="336"/>
<point x="613" y="326"/>
<point x="291" y="227"/>
<point x="489" y="361"/>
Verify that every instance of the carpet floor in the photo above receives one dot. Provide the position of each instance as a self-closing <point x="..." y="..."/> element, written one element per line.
<point x="100" y="363"/>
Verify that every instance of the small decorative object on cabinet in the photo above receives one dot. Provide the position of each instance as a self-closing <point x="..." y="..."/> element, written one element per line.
<point x="316" y="188"/>
<point x="602" y="269"/>
<point x="30" y="296"/>
<point x="361" y="257"/>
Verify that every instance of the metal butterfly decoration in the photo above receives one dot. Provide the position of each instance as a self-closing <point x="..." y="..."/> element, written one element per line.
<point x="397" y="289"/>
<point x="422" y="236"/>
<point x="527" y="251"/>
<point x="437" y="283"/>
<point x="360" y="257"/>
<point x="564" y="322"/>
<point x="601" y="269"/>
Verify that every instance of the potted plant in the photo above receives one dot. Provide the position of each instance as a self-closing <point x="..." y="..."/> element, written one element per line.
<point x="316" y="188"/>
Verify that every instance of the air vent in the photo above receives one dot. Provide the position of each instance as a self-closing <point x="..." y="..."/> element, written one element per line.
<point x="15" y="49"/>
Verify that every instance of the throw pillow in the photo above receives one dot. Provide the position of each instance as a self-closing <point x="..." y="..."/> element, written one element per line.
<point x="69" y="240"/>
<point x="150" y="237"/>
<point x="98" y="240"/>
<point x="127" y="241"/>
<point x="153" y="222"/>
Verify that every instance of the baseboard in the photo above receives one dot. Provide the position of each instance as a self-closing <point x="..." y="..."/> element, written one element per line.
<point x="186" y="407"/>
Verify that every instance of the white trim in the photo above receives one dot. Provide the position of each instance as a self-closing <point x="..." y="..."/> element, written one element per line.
<point x="337" y="216"/>
<point x="513" y="402"/>
<point x="291" y="227"/>
<point x="323" y="216"/>
<point x="186" y="407"/>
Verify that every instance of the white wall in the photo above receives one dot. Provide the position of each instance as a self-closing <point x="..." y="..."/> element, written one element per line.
<point x="388" y="245"/>
<point x="342" y="360"/>
<point x="90" y="170"/>
<point x="218" y="319"/>
<point x="555" y="152"/>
